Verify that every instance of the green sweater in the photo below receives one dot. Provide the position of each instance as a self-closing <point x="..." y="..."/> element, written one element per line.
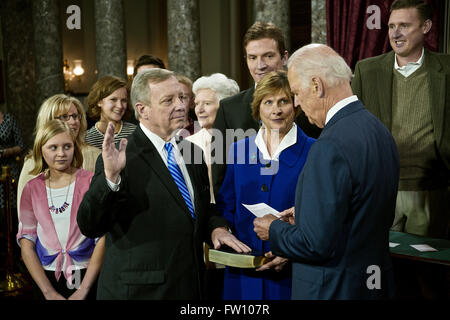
<point x="412" y="129"/>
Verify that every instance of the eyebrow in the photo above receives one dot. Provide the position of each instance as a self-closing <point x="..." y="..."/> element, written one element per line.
<point x="263" y="54"/>
<point x="399" y="22"/>
<point x="56" y="145"/>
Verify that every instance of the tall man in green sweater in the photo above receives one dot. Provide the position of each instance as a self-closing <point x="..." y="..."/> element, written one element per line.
<point x="408" y="89"/>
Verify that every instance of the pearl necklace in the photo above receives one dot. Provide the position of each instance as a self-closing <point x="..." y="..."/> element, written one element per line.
<point x="65" y="204"/>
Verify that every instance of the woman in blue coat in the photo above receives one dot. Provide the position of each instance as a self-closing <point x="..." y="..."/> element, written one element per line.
<point x="263" y="169"/>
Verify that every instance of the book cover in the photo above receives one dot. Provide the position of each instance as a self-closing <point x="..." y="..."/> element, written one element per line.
<point x="227" y="256"/>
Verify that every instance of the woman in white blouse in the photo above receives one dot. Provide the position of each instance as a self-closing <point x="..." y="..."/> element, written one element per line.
<point x="208" y="91"/>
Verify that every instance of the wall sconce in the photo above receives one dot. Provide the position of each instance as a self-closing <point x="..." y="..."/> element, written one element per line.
<point x="78" y="69"/>
<point x="130" y="68"/>
<point x="67" y="71"/>
<point x="70" y="73"/>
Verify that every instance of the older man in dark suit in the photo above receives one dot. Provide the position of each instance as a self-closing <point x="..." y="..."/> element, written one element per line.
<point x="345" y="195"/>
<point x="151" y="198"/>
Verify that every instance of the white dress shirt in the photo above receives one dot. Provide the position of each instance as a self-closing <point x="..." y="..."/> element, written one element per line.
<point x="411" y="67"/>
<point x="159" y="145"/>
<point x="338" y="106"/>
<point x="288" y="140"/>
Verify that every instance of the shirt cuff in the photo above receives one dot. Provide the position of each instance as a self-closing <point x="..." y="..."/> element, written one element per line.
<point x="28" y="237"/>
<point x="114" y="186"/>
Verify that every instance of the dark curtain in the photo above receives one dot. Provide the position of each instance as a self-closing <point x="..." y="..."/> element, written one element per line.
<point x="349" y="35"/>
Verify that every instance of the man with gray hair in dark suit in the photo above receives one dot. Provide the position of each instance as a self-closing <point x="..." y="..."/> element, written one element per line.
<point x="151" y="199"/>
<point x="345" y="195"/>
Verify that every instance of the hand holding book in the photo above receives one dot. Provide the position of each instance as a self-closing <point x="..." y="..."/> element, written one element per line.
<point x="276" y="263"/>
<point x="227" y="256"/>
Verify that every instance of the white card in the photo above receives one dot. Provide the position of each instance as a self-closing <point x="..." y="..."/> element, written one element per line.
<point x="393" y="244"/>
<point x="261" y="209"/>
<point x="423" y="247"/>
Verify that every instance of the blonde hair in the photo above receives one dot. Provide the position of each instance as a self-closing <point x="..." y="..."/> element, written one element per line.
<point x="272" y="83"/>
<point x="46" y="132"/>
<point x="57" y="105"/>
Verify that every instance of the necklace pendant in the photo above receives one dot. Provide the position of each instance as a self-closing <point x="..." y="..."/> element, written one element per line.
<point x="60" y="209"/>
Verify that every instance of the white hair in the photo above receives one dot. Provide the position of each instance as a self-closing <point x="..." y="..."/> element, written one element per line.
<point x="219" y="83"/>
<point x="322" y="61"/>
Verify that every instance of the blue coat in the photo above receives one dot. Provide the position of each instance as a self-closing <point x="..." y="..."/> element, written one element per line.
<point x="247" y="182"/>
<point x="344" y="207"/>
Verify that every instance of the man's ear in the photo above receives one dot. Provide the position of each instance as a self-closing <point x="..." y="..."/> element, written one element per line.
<point x="426" y="27"/>
<point x="284" y="58"/>
<point x="140" y="109"/>
<point x="318" y="87"/>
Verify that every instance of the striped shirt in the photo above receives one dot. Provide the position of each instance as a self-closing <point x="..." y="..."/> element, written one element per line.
<point x="95" y="137"/>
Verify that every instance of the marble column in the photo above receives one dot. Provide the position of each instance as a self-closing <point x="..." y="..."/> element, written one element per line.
<point x="48" y="49"/>
<point x="319" y="21"/>
<point x="18" y="64"/>
<point x="277" y="12"/>
<point x="111" y="52"/>
<point x="183" y="26"/>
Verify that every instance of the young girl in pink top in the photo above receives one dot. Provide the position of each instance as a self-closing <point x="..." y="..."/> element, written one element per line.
<point x="49" y="237"/>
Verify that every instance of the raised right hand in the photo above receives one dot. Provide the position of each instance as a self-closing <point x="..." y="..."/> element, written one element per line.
<point x="114" y="160"/>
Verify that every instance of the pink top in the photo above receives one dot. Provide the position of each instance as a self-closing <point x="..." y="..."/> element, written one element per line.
<point x="34" y="210"/>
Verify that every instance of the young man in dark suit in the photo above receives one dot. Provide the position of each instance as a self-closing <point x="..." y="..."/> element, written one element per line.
<point x="151" y="198"/>
<point x="345" y="195"/>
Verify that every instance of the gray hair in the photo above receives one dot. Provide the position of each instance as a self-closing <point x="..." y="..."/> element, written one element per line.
<point x="322" y="61"/>
<point x="219" y="83"/>
<point x="140" y="88"/>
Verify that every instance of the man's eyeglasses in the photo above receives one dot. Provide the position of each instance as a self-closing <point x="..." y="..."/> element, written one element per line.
<point x="66" y="117"/>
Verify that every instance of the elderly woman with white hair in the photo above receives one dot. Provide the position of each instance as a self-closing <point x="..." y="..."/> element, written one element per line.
<point x="208" y="91"/>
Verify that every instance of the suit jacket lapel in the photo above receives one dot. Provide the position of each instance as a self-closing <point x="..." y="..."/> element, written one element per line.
<point x="150" y="155"/>
<point x="384" y="88"/>
<point x="436" y="80"/>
